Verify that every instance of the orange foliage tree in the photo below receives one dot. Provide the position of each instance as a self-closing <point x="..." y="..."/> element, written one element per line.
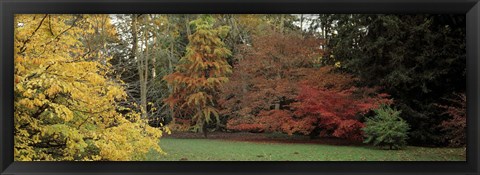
<point x="265" y="74"/>
<point x="200" y="74"/>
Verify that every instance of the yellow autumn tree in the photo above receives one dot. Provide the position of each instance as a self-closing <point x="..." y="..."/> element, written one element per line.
<point x="65" y="101"/>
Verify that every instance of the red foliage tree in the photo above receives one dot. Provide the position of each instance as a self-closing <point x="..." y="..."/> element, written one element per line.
<point x="333" y="112"/>
<point x="265" y="76"/>
<point x="456" y="126"/>
<point x="276" y="87"/>
<point x="337" y="112"/>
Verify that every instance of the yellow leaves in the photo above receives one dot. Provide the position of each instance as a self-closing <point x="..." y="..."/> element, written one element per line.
<point x="18" y="64"/>
<point x="96" y="158"/>
<point x="29" y="93"/>
<point x="115" y="92"/>
<point x="166" y="129"/>
<point x="54" y="89"/>
<point x="212" y="81"/>
<point x="199" y="98"/>
<point x="338" y="64"/>
<point x="68" y="104"/>
<point x="62" y="112"/>
<point x="207" y="111"/>
<point x="134" y="142"/>
<point x="38" y="102"/>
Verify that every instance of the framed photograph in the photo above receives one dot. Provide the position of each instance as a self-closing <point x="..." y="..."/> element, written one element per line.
<point x="235" y="87"/>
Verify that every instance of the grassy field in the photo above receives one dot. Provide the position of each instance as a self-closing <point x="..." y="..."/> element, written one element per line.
<point x="224" y="150"/>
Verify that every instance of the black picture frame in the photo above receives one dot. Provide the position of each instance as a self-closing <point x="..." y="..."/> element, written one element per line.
<point x="471" y="8"/>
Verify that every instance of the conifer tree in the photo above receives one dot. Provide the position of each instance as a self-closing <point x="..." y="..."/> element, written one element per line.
<point x="386" y="128"/>
<point x="200" y="74"/>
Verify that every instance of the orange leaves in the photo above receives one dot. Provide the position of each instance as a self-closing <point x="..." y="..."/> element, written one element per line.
<point x="202" y="71"/>
<point x="172" y="78"/>
<point x="171" y="101"/>
<point x="268" y="73"/>
<point x="241" y="124"/>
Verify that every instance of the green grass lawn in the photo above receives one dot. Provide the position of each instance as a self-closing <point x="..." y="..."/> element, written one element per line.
<point x="224" y="150"/>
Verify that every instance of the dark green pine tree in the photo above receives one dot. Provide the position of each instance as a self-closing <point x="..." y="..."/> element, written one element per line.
<point x="418" y="59"/>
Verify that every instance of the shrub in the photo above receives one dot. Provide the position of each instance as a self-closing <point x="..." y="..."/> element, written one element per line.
<point x="456" y="126"/>
<point x="244" y="124"/>
<point x="180" y="125"/>
<point x="386" y="128"/>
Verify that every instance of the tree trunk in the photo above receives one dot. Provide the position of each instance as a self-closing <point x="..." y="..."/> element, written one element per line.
<point x="154" y="61"/>
<point x="204" y="129"/>
<point x="139" y="64"/>
<point x="315" y="132"/>
<point x="143" y="71"/>
<point x="134" y="36"/>
<point x="187" y="25"/>
<point x="142" y="65"/>
<point x="301" y="23"/>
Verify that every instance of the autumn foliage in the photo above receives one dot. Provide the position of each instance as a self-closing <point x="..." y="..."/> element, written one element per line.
<point x="265" y="74"/>
<point x="107" y="87"/>
<point x="456" y="126"/>
<point x="65" y="102"/>
<point x="274" y="87"/>
<point x="200" y="74"/>
<point x="337" y="113"/>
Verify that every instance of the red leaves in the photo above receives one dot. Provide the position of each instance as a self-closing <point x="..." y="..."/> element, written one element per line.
<point x="456" y="126"/>
<point x="243" y="124"/>
<point x="350" y="129"/>
<point x="276" y="88"/>
<point x="337" y="110"/>
<point x="272" y="121"/>
<point x="262" y="77"/>
<point x="282" y="120"/>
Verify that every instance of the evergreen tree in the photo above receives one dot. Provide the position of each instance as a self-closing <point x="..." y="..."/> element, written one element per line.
<point x="417" y="59"/>
<point x="386" y="128"/>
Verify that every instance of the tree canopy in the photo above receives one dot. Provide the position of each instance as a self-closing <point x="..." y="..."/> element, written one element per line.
<point x="107" y="87"/>
<point x="65" y="102"/>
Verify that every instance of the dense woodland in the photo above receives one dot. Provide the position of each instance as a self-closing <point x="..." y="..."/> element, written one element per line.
<point x="108" y="87"/>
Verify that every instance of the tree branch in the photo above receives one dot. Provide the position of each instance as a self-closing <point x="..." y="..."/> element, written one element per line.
<point x="24" y="46"/>
<point x="63" y="32"/>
